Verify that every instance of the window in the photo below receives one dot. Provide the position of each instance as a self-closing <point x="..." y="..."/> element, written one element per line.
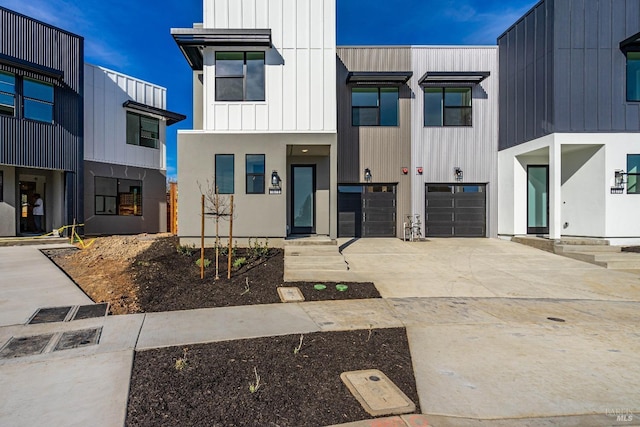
<point x="38" y="100"/>
<point x="447" y="106"/>
<point x="633" y="76"/>
<point x="7" y="93"/>
<point x="373" y="106"/>
<point x="224" y="173"/>
<point x="115" y="196"/>
<point x="633" y="173"/>
<point x="142" y="130"/>
<point x="255" y="173"/>
<point x="240" y="76"/>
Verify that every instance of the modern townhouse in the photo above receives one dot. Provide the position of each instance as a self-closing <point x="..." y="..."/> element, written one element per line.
<point x="569" y="155"/>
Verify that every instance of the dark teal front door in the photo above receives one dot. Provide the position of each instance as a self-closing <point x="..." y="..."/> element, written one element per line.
<point x="537" y="199"/>
<point x="303" y="204"/>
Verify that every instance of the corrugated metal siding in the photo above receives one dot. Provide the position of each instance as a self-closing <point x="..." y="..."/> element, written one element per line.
<point x="384" y="150"/>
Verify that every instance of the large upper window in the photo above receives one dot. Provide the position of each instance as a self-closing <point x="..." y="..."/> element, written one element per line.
<point x="224" y="173"/>
<point x="7" y="93"/>
<point x="633" y="173"/>
<point x="447" y="106"/>
<point x="633" y="76"/>
<point x="240" y="76"/>
<point x="142" y="130"/>
<point x="38" y="100"/>
<point x="115" y="196"/>
<point x="255" y="173"/>
<point x="374" y="106"/>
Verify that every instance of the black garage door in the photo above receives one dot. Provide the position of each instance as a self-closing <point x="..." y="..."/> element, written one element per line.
<point x="367" y="210"/>
<point x="455" y="210"/>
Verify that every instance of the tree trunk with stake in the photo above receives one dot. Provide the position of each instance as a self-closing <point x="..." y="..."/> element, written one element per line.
<point x="230" y="239"/>
<point x="202" y="238"/>
<point x="217" y="204"/>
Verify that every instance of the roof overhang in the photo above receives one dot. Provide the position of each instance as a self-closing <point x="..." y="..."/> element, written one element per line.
<point x="192" y="41"/>
<point x="632" y="44"/>
<point x="171" y="117"/>
<point x="397" y="78"/>
<point x="31" y="67"/>
<point x="434" y="78"/>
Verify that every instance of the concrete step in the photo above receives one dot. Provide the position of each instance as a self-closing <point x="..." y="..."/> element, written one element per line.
<point x="27" y="241"/>
<point x="310" y="250"/>
<point x="322" y="276"/>
<point x="582" y="241"/>
<point x="310" y="242"/>
<point x="563" y="249"/>
<point x="612" y="260"/>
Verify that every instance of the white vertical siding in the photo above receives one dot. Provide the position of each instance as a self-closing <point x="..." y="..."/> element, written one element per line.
<point x="105" y="118"/>
<point x="300" y="70"/>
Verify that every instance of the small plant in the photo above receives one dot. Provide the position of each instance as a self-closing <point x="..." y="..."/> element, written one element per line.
<point x="181" y="362"/>
<point x="207" y="262"/>
<point x="144" y="263"/>
<point x="255" y="386"/>
<point x="246" y="286"/>
<point x="297" y="348"/>
<point x="239" y="262"/>
<point x="257" y="250"/>
<point x="186" y="250"/>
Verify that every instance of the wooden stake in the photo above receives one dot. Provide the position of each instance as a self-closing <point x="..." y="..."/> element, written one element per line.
<point x="230" y="240"/>
<point x="217" y="205"/>
<point x="202" y="237"/>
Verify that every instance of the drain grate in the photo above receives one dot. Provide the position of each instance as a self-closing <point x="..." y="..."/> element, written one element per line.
<point x="50" y="315"/>
<point x="91" y="311"/>
<point x="25" y="346"/>
<point x="81" y="338"/>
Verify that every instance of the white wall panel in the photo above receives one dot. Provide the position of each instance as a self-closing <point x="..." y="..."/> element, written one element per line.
<point x="275" y="22"/>
<point x="249" y="13"/>
<point x="248" y="117"/>
<point x="329" y="20"/>
<point x="303" y="87"/>
<point x="302" y="24"/>
<point x="235" y="13"/>
<point x="274" y="92"/>
<point x="218" y="15"/>
<point x="330" y="97"/>
<point x="262" y="117"/>
<point x="235" y="117"/>
<point x="289" y="99"/>
<point x="317" y="89"/>
<point x="289" y="27"/>
<point x="221" y="116"/>
<point x="316" y="25"/>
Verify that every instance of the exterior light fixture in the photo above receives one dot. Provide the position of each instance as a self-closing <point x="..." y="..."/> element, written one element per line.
<point x="367" y="175"/>
<point x="405" y="171"/>
<point x="305" y="150"/>
<point x="419" y="170"/>
<point x="619" y="178"/>
<point x="275" y="183"/>
<point x="457" y="172"/>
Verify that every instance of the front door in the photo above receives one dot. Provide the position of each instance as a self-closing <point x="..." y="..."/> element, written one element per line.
<point x="538" y="199"/>
<point x="27" y="191"/>
<point x="303" y="204"/>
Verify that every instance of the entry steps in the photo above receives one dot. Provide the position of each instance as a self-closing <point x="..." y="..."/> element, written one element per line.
<point x="315" y="258"/>
<point x="593" y="251"/>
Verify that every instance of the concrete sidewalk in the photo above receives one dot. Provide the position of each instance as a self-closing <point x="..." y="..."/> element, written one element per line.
<point x="491" y="358"/>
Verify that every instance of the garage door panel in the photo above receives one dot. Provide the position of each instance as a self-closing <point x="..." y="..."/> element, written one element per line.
<point x="439" y="231"/>
<point x="378" y="229"/>
<point x="366" y="210"/>
<point x="469" y="231"/>
<point x="440" y="203"/>
<point x="436" y="216"/>
<point x="455" y="213"/>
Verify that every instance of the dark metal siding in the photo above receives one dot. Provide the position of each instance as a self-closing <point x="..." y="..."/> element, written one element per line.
<point x="29" y="143"/>
<point x="577" y="83"/>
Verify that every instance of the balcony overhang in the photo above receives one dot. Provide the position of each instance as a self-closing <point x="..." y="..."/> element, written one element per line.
<point x="438" y="78"/>
<point x="31" y="67"/>
<point x="171" y="117"/>
<point x="192" y="41"/>
<point x="632" y="44"/>
<point x="376" y="78"/>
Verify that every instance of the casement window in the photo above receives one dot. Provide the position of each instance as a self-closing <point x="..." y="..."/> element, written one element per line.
<point x="255" y="173"/>
<point x="38" y="100"/>
<point x="633" y="173"/>
<point x="114" y="196"/>
<point x="224" y="173"/>
<point x="447" y="106"/>
<point x="633" y="76"/>
<point x="142" y="130"/>
<point x="374" y="106"/>
<point x="7" y="94"/>
<point x="240" y="76"/>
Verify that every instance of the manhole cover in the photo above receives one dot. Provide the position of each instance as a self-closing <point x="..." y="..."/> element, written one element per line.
<point x="290" y="294"/>
<point x="376" y="393"/>
<point x="50" y="315"/>
<point x="25" y="346"/>
<point x="81" y="338"/>
<point x="91" y="311"/>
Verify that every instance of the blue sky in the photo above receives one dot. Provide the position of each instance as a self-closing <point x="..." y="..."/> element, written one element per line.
<point x="132" y="36"/>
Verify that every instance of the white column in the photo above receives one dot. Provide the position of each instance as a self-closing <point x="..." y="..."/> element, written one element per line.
<point x="555" y="190"/>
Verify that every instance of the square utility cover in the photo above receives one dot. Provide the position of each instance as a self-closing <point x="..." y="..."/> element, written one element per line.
<point x="90" y="311"/>
<point x="81" y="338"/>
<point x="49" y="315"/>
<point x="25" y="346"/>
<point x="376" y="393"/>
<point x="290" y="294"/>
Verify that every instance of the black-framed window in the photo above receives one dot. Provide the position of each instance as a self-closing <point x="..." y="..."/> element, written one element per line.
<point x="240" y="76"/>
<point x="115" y="196"/>
<point x="142" y="130"/>
<point x="7" y="93"/>
<point x="633" y="76"/>
<point x="374" y="106"/>
<point x="255" y="173"/>
<point x="447" y="106"/>
<point x="224" y="173"/>
<point x="633" y="173"/>
<point x="38" y="100"/>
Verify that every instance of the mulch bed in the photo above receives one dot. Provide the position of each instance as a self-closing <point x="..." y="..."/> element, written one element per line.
<point x="302" y="389"/>
<point x="170" y="281"/>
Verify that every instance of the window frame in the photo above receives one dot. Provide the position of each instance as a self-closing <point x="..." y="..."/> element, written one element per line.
<point x="635" y="175"/>
<point x="11" y="94"/>
<point x="444" y="107"/>
<point x="244" y="77"/>
<point x="139" y="137"/>
<point x="628" y="75"/>
<point x="379" y="106"/>
<point x="117" y="200"/>
<point x="26" y="99"/>
<point x="221" y="178"/>
<point x="250" y="176"/>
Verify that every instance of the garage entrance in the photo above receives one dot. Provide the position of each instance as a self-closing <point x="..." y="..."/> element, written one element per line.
<point x="454" y="210"/>
<point x="367" y="210"/>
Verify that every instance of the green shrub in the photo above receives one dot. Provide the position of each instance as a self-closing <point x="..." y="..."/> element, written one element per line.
<point x="186" y="250"/>
<point x="207" y="262"/>
<point x="239" y="262"/>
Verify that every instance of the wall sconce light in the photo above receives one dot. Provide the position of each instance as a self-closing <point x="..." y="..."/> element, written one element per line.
<point x="405" y="171"/>
<point x="419" y="170"/>
<point x="367" y="175"/>
<point x="275" y="183"/>
<point x="457" y="172"/>
<point x="619" y="178"/>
